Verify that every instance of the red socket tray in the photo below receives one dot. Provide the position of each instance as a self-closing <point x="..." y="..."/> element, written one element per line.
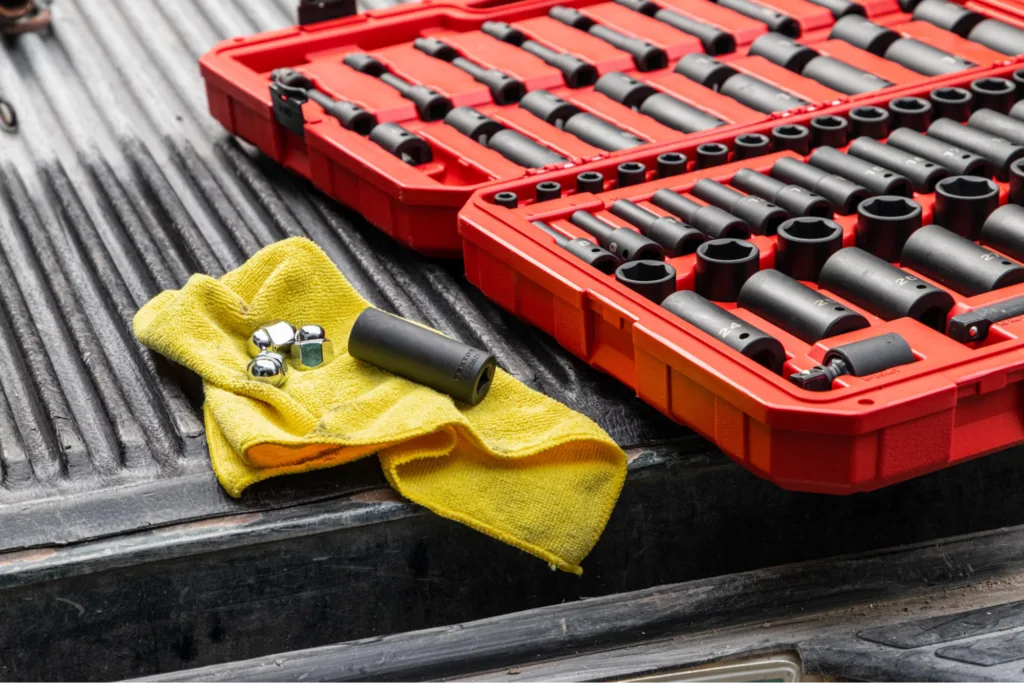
<point x="418" y="205"/>
<point x="956" y="402"/>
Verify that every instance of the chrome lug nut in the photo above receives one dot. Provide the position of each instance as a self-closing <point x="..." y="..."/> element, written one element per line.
<point x="268" y="367"/>
<point x="312" y="348"/>
<point x="277" y="338"/>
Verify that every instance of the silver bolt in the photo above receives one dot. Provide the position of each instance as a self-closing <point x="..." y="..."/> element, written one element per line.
<point x="312" y="348"/>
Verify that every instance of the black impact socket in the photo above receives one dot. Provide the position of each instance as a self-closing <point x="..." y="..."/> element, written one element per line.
<point x="998" y="36"/>
<point x="998" y="94"/>
<point x="510" y="144"/>
<point x="999" y="152"/>
<point x="962" y="203"/>
<point x="585" y="126"/>
<point x="349" y="115"/>
<point x="548" y="190"/>
<point x="630" y="173"/>
<point x="710" y="220"/>
<point x="676" y="238"/>
<point x="430" y="104"/>
<point x="507" y="199"/>
<point x="290" y="86"/>
<point x="775" y="21"/>
<point x="661" y="107"/>
<point x="791" y="198"/>
<point x="714" y="40"/>
<point x="884" y="224"/>
<point x="840" y="8"/>
<point x="804" y="244"/>
<point x="723" y="267"/>
<point x="626" y="244"/>
<point x="410" y="148"/>
<point x="866" y="35"/>
<point x="830" y="130"/>
<point x="908" y="52"/>
<point x="646" y="57"/>
<point x="883" y="289"/>
<point x="423" y="356"/>
<point x="870" y="121"/>
<point x="575" y="71"/>
<point x="727" y="328"/>
<point x="670" y="164"/>
<point x="922" y="173"/>
<point x="859" y="359"/>
<point x="745" y="89"/>
<point x="712" y="154"/>
<point x="583" y="249"/>
<point x="951" y="103"/>
<point x="504" y="88"/>
<point x="954" y="159"/>
<point x="910" y="112"/>
<point x="750" y="145"/>
<point x="844" y="195"/>
<point x="762" y="216"/>
<point x="957" y="262"/>
<point x="828" y="71"/>
<point x="1017" y="111"/>
<point x="590" y="181"/>
<point x="877" y="179"/>
<point x="1018" y="80"/>
<point x="1017" y="182"/>
<point x="652" y="280"/>
<point x="998" y="124"/>
<point x="793" y="137"/>
<point x="794" y="307"/>
<point x="948" y="16"/>
<point x="1004" y="230"/>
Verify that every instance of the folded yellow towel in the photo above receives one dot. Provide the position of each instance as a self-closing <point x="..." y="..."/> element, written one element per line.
<point x="519" y="466"/>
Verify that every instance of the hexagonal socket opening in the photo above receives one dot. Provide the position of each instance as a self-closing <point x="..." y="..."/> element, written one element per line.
<point x="591" y="176"/>
<point x="790" y="131"/>
<point x="631" y="167"/>
<point x="484" y="381"/>
<point x="909" y="104"/>
<point x="810" y="229"/>
<point x="645" y="271"/>
<point x="753" y="139"/>
<point x="967" y="187"/>
<point x="951" y="95"/>
<point x="889" y="207"/>
<point x="868" y="114"/>
<point x="727" y="250"/>
<point x="713" y="148"/>
<point x="672" y="158"/>
<point x="829" y="122"/>
<point x="993" y="85"/>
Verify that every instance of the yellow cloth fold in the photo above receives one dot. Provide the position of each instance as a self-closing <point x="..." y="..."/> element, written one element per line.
<point x="519" y="466"/>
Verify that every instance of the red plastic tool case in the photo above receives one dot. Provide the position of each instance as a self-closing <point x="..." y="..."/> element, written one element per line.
<point x="957" y="401"/>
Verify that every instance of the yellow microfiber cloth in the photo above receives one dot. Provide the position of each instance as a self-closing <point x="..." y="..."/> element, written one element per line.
<point x="519" y="466"/>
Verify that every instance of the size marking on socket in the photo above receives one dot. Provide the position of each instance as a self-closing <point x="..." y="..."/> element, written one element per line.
<point x="726" y="331"/>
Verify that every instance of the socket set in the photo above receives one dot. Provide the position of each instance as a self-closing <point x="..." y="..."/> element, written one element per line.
<point x="840" y="309"/>
<point x="403" y="113"/>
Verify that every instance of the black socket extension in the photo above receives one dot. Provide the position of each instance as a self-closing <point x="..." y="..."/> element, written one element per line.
<point x="997" y="94"/>
<point x="804" y="244"/>
<point x="954" y="159"/>
<point x="723" y="266"/>
<point x="510" y="144"/>
<point x="762" y="216"/>
<point x="652" y="280"/>
<point x="590" y="181"/>
<point x="840" y="8"/>
<point x="792" y="137"/>
<point x="750" y="145"/>
<point x="883" y="289"/>
<point x="998" y="124"/>
<point x="791" y="198"/>
<point x="670" y="164"/>
<point x="714" y="40"/>
<point x="830" y="130"/>
<point x="583" y="249"/>
<point x="630" y="173"/>
<point x="626" y="244"/>
<point x="584" y="125"/>
<point x="910" y="112"/>
<point x="408" y="147"/>
<point x="859" y="359"/>
<point x="922" y="173"/>
<point x="775" y="21"/>
<point x="710" y="220"/>
<point x="409" y="350"/>
<point x="575" y="71"/>
<point x="430" y="104"/>
<point x="876" y="179"/>
<point x="974" y="325"/>
<point x="957" y="262"/>
<point x="908" y="52"/>
<point x="1000" y="153"/>
<point x="743" y="88"/>
<point x="1004" y="230"/>
<point x="962" y="203"/>
<point x="711" y="154"/>
<point x="951" y="103"/>
<point x="843" y="194"/>
<point x="646" y="57"/>
<point x="290" y="89"/>
<point x="991" y="33"/>
<point x="870" y="121"/>
<point x="663" y="108"/>
<point x="676" y="238"/>
<point x="727" y="328"/>
<point x="1017" y="182"/>
<point x="504" y="89"/>
<point x="828" y="71"/>
<point x="794" y="307"/>
<point x="884" y="224"/>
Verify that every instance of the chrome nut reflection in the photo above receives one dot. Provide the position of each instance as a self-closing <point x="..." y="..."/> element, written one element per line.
<point x="312" y="348"/>
<point x="277" y="337"/>
<point x="269" y="368"/>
